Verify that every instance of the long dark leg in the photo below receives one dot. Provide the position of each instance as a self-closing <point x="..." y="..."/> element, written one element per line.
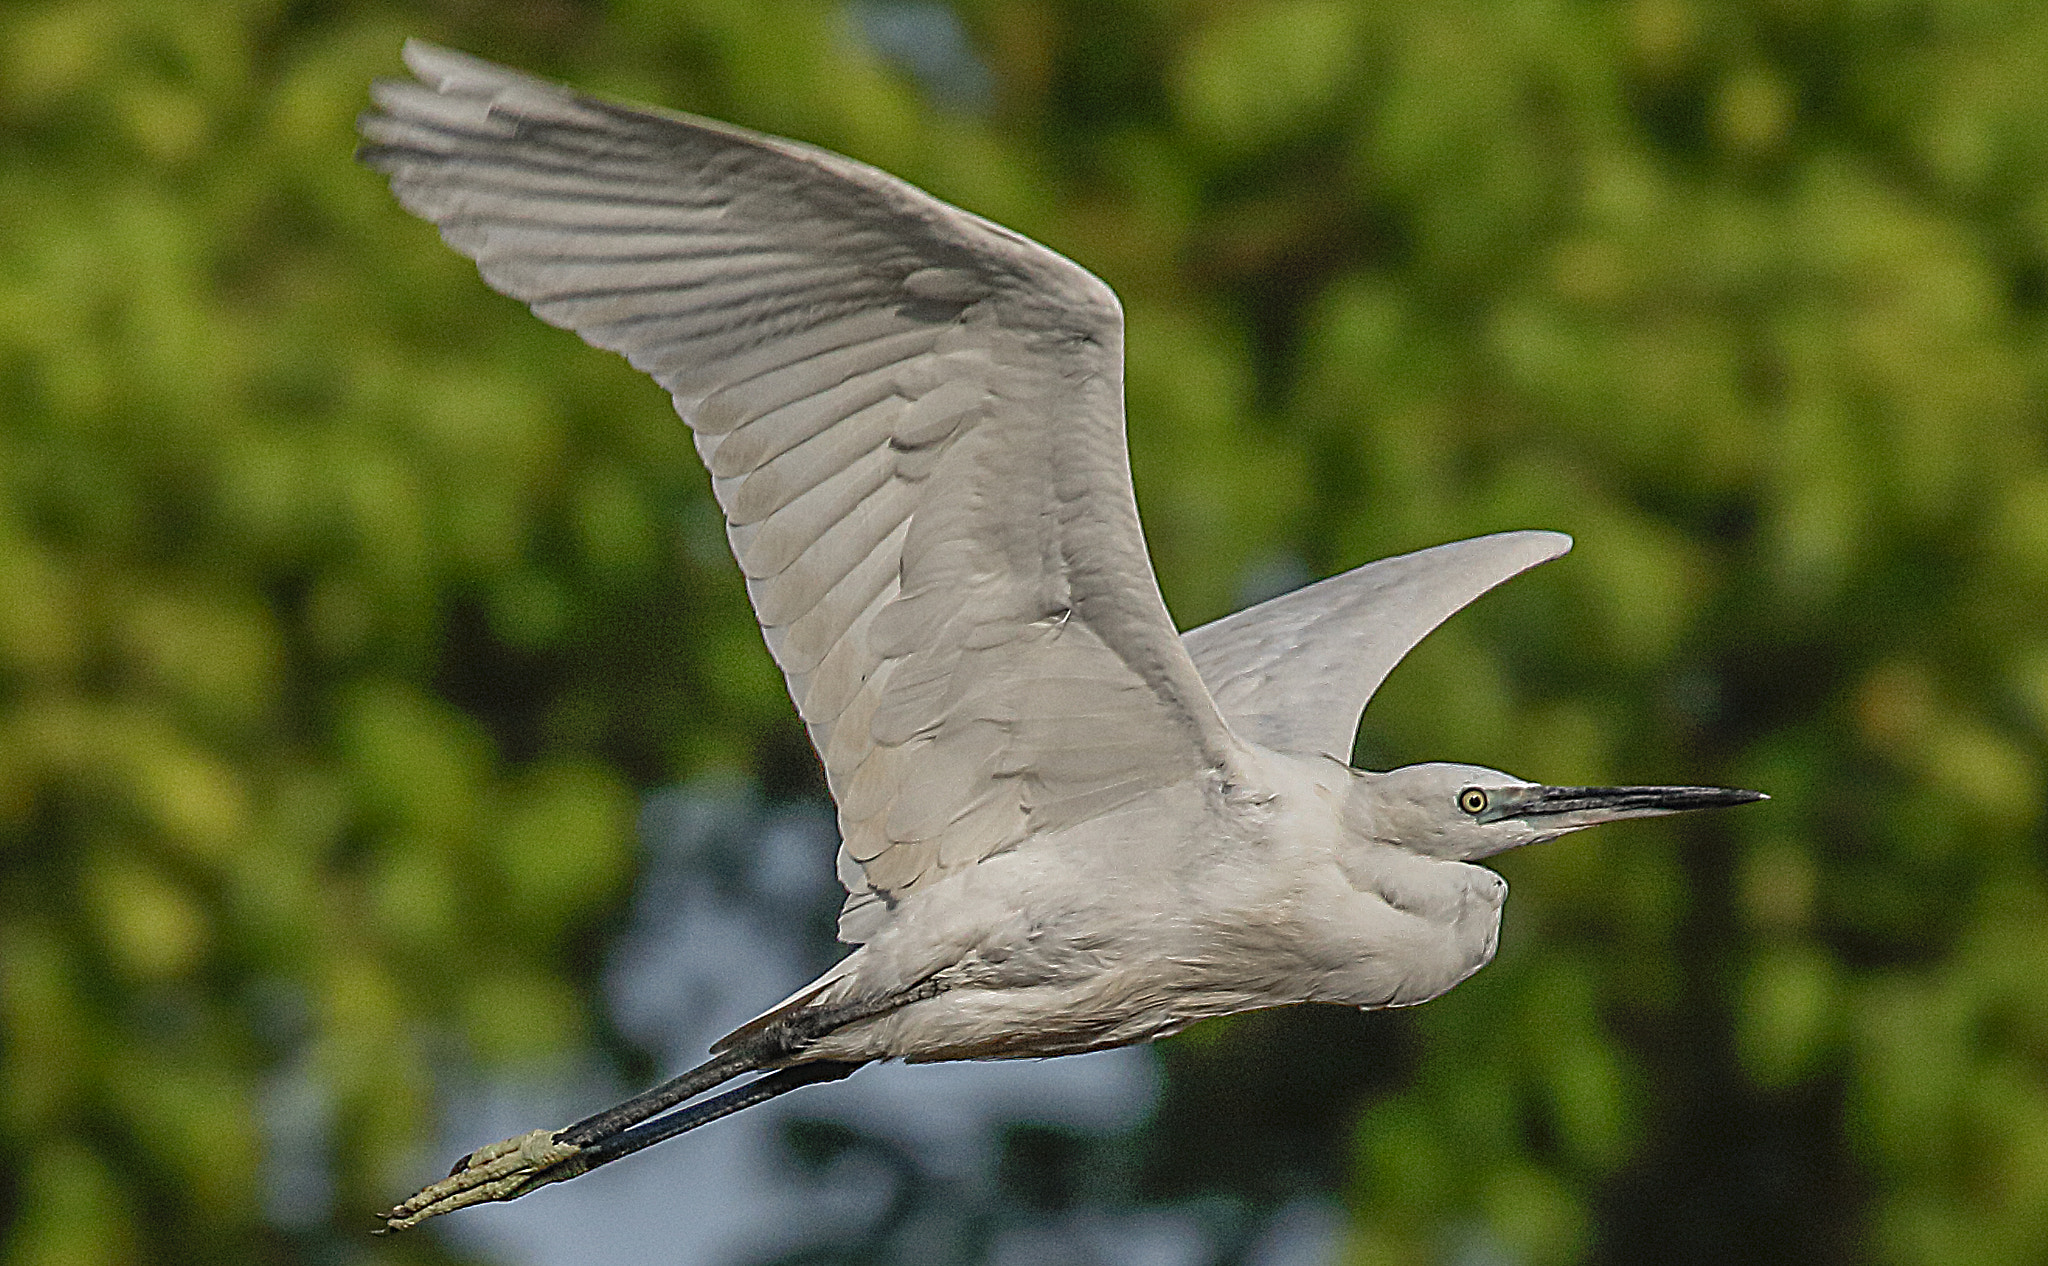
<point x="581" y="1159"/>
<point x="683" y="1120"/>
<point x="715" y="1071"/>
<point x="510" y="1169"/>
<point x="778" y="1041"/>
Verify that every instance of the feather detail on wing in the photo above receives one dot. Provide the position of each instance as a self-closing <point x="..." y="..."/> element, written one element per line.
<point x="913" y="420"/>
<point x="1294" y="673"/>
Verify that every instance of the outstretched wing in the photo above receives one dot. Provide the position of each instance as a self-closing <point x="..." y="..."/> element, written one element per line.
<point x="913" y="420"/>
<point x="1295" y="673"/>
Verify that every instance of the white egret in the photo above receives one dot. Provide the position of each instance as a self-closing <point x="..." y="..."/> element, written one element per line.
<point x="1065" y="826"/>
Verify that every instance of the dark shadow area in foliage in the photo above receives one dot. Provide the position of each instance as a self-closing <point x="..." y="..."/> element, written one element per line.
<point x="1262" y="1105"/>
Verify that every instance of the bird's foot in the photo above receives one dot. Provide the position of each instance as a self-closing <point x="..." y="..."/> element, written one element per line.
<point x="502" y="1171"/>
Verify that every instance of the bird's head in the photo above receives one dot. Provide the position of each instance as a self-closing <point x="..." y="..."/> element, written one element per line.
<point x="1466" y="812"/>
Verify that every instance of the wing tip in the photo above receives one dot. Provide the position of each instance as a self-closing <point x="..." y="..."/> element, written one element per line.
<point x="447" y="69"/>
<point x="1544" y="544"/>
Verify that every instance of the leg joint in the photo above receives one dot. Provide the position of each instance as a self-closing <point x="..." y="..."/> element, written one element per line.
<point x="793" y="1034"/>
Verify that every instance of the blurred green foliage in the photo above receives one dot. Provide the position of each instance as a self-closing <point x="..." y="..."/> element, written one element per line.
<point x="343" y="605"/>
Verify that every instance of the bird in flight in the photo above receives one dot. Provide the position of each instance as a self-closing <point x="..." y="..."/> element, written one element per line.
<point x="1064" y="825"/>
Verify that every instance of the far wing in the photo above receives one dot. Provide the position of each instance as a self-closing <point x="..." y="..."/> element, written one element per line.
<point x="1294" y="673"/>
<point x="913" y="421"/>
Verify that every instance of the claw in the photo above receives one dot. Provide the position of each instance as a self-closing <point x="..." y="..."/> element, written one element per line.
<point x="502" y="1171"/>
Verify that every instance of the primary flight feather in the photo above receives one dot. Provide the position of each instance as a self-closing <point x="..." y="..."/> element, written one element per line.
<point x="1063" y="825"/>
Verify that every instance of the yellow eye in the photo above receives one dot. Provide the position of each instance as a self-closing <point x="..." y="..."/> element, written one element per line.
<point x="1472" y="800"/>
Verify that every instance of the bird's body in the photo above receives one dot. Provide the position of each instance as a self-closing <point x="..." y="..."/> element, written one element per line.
<point x="1064" y="824"/>
<point x="1196" y="900"/>
<point x="1190" y="902"/>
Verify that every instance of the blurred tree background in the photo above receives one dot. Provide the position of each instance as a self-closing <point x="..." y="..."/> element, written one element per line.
<point x="345" y="609"/>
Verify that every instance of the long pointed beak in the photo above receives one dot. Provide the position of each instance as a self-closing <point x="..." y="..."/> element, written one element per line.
<point x="1574" y="807"/>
